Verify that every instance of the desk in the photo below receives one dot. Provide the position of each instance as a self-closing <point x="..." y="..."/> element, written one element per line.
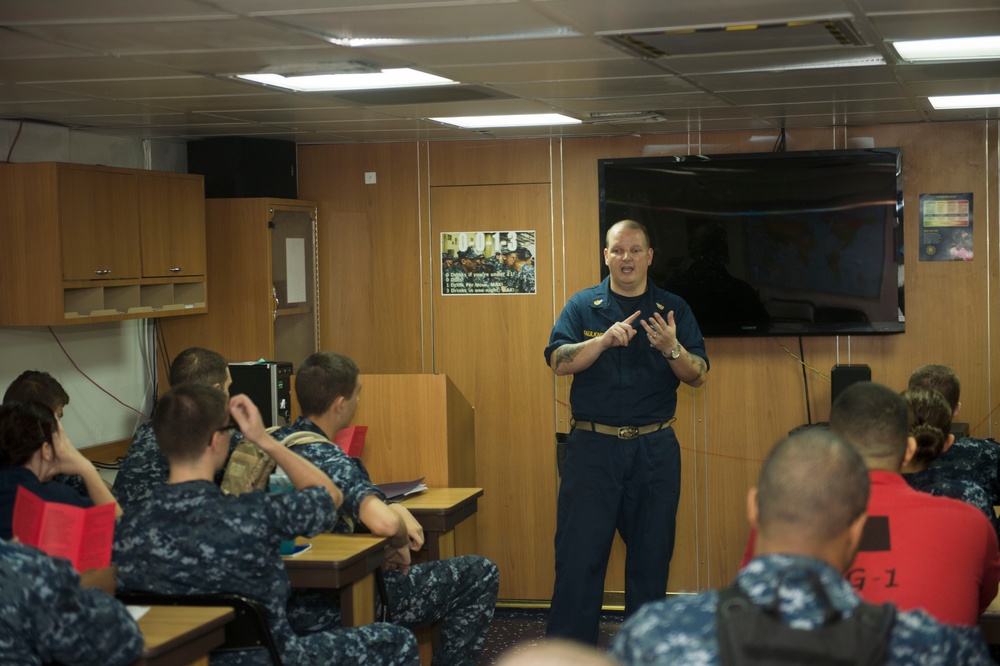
<point x="343" y="562"/>
<point x="439" y="510"/>
<point x="181" y="635"/>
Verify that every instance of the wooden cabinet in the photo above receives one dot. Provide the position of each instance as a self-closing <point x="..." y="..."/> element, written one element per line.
<point x="264" y="289"/>
<point x="88" y="244"/>
<point x="172" y="224"/>
<point x="98" y="224"/>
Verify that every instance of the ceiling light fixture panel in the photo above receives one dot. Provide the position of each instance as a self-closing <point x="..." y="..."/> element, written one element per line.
<point x="962" y="48"/>
<point x="520" y="120"/>
<point x="386" y="78"/>
<point x="964" y="101"/>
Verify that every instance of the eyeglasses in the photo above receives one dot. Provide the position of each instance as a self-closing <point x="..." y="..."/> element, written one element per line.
<point x="227" y="428"/>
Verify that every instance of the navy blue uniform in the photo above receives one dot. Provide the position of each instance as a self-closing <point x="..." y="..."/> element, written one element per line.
<point x="45" y="617"/>
<point x="189" y="538"/>
<point x="459" y="593"/>
<point x="683" y="629"/>
<point x="609" y="483"/>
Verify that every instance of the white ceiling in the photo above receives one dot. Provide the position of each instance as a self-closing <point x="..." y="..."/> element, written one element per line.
<point x="163" y="68"/>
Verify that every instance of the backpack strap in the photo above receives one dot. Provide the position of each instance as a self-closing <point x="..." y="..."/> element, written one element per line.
<point x="303" y="437"/>
<point x="249" y="466"/>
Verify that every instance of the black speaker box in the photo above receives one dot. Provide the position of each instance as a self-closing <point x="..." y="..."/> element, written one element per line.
<point x="845" y="375"/>
<point x="244" y="167"/>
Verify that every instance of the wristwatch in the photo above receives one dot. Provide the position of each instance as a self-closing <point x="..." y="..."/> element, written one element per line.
<point x="674" y="354"/>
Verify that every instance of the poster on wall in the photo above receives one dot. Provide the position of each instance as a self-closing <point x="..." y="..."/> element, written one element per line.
<point x="946" y="227"/>
<point x="487" y="262"/>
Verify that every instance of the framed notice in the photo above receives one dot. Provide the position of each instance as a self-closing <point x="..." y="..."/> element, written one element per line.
<point x="946" y="227"/>
<point x="487" y="262"/>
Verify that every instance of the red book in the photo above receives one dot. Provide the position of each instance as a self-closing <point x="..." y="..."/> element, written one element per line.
<point x="82" y="536"/>
<point x="351" y="439"/>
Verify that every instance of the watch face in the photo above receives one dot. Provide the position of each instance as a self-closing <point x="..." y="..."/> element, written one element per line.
<point x="675" y="352"/>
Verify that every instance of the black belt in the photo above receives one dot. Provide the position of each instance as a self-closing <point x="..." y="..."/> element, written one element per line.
<point x="623" y="432"/>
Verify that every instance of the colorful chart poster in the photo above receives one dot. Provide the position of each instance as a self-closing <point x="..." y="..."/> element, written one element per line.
<point x="946" y="227"/>
<point x="487" y="262"/>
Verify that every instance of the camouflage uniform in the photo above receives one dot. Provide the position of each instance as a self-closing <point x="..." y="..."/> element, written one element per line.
<point x="461" y="592"/>
<point x="974" y="460"/>
<point x="682" y="630"/>
<point x="45" y="617"/>
<point x="190" y="538"/>
<point x="145" y="467"/>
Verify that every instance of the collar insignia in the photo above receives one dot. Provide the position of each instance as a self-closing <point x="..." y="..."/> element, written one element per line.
<point x="599" y="301"/>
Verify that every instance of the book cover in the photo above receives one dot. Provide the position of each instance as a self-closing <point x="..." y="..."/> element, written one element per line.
<point x="81" y="535"/>
<point x="351" y="439"/>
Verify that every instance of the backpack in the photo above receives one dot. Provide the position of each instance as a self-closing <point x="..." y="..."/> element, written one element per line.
<point x="249" y="467"/>
<point x="753" y="635"/>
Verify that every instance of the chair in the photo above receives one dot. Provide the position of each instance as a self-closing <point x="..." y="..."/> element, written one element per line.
<point x="248" y="630"/>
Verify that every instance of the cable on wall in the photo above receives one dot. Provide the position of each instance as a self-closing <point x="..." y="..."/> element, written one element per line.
<point x="88" y="378"/>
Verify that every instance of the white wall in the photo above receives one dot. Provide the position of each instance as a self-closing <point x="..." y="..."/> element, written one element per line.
<point x="117" y="356"/>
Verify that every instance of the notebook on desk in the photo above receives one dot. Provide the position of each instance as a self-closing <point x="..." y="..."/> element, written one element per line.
<point x="400" y="489"/>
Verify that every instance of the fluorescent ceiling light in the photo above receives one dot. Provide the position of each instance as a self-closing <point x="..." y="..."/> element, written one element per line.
<point x="965" y="101"/>
<point x="523" y="120"/>
<point x="369" y="42"/>
<point x="962" y="48"/>
<point x="387" y="78"/>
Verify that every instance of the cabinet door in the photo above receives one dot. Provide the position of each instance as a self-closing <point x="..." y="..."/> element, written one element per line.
<point x="99" y="223"/>
<point x="172" y="224"/>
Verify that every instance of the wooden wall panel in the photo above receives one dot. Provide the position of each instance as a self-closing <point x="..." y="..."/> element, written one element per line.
<point x="489" y="162"/>
<point x="491" y="347"/>
<point x="370" y="252"/>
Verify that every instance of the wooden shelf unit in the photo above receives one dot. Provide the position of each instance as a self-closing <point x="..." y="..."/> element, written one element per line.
<point x="90" y="244"/>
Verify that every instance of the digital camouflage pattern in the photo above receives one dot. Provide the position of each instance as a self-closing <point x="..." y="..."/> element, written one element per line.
<point x="460" y="592"/>
<point x="682" y="630"/>
<point x="145" y="467"/>
<point x="933" y="482"/>
<point x="191" y="538"/>
<point x="45" y="617"/>
<point x="975" y="460"/>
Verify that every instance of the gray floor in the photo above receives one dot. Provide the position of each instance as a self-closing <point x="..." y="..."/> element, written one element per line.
<point x="515" y="626"/>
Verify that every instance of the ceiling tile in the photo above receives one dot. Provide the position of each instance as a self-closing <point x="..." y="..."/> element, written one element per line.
<point x="178" y="86"/>
<point x="17" y="12"/>
<point x="643" y="15"/>
<point x="549" y="71"/>
<point x="156" y="36"/>
<point x="844" y="76"/>
<point x="521" y="51"/>
<point x="430" y="22"/>
<point x="832" y="94"/>
<point x="938" y="25"/>
<point x="616" y="87"/>
<point x="77" y="68"/>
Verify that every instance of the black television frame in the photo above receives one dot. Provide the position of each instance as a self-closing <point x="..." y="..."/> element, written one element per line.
<point x="789" y="310"/>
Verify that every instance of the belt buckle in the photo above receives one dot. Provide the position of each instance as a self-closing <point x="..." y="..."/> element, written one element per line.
<point x="628" y="432"/>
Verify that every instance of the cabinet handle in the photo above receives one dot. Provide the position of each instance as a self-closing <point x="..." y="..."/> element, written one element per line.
<point x="104" y="271"/>
<point x="176" y="269"/>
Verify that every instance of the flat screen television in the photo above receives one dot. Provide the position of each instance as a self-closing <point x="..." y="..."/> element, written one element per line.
<point x="793" y="243"/>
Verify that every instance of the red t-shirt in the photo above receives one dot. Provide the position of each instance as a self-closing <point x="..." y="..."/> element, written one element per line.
<point x="922" y="551"/>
